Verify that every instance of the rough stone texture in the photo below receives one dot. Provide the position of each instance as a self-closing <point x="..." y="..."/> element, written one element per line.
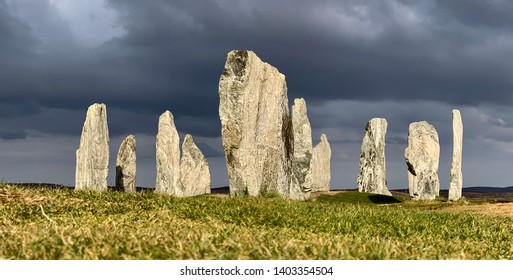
<point x="93" y="154"/>
<point x="373" y="175"/>
<point x="255" y="125"/>
<point x="321" y="160"/>
<point x="301" y="175"/>
<point x="456" y="180"/>
<point x="422" y="155"/>
<point x="168" y="157"/>
<point x="194" y="171"/>
<point x="126" y="165"/>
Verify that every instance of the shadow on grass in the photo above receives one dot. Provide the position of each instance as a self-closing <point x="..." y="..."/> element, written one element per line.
<point x="383" y="199"/>
<point x="360" y="198"/>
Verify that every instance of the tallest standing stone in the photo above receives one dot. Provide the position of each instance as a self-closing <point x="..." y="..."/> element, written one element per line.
<point x="93" y="153"/>
<point x="255" y="125"/>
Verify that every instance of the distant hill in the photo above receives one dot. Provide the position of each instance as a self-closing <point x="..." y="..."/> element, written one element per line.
<point x="489" y="189"/>
<point x="476" y="189"/>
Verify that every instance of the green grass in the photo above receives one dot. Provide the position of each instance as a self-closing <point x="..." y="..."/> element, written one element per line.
<point x="64" y="224"/>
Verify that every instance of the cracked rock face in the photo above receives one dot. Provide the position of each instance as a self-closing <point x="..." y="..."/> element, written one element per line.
<point x="255" y="125"/>
<point x="321" y="172"/>
<point x="373" y="176"/>
<point x="301" y="183"/>
<point x="93" y="152"/>
<point x="194" y="171"/>
<point x="456" y="179"/>
<point x="168" y="157"/>
<point x="422" y="156"/>
<point x="126" y="165"/>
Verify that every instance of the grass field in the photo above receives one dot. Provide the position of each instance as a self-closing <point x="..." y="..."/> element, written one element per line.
<point x="41" y="223"/>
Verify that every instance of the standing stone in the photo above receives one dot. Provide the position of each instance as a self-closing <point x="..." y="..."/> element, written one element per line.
<point x="126" y="165"/>
<point x="456" y="180"/>
<point x="301" y="181"/>
<point x="321" y="158"/>
<point x="373" y="173"/>
<point x="168" y="156"/>
<point x="194" y="171"/>
<point x="93" y="154"/>
<point x="422" y="155"/>
<point x="255" y="125"/>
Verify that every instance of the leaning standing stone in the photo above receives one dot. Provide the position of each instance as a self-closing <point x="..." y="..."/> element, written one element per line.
<point x="93" y="153"/>
<point x="373" y="174"/>
<point x="168" y="157"/>
<point x="422" y="155"/>
<point x="194" y="171"/>
<point x="126" y="165"/>
<point x="301" y="181"/>
<point x="456" y="180"/>
<point x="255" y="125"/>
<point x="321" y="173"/>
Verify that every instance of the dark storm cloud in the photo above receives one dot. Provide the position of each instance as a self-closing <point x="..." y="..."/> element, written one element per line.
<point x="394" y="51"/>
<point x="12" y="135"/>
<point x="171" y="54"/>
<point x="480" y="14"/>
<point x="16" y="39"/>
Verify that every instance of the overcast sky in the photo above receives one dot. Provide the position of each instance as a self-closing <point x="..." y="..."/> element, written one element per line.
<point x="352" y="61"/>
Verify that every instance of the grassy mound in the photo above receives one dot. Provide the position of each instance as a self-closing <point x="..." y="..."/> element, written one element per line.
<point x="64" y="224"/>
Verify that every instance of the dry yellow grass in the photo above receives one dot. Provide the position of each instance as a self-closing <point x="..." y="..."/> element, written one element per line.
<point x="64" y="224"/>
<point x="490" y="209"/>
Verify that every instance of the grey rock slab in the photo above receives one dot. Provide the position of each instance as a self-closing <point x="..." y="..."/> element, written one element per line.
<point x="92" y="166"/>
<point x="422" y="158"/>
<point x="373" y="175"/>
<point x="456" y="179"/>
<point x="194" y="170"/>
<point x="321" y="169"/>
<point x="255" y="125"/>
<point x="301" y="180"/>
<point x="168" y="157"/>
<point x="126" y="165"/>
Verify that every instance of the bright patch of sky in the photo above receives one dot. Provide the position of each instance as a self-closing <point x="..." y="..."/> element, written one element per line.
<point x="92" y="22"/>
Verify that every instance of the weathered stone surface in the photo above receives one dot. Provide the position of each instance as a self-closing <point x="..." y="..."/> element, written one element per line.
<point x="126" y="165"/>
<point x="194" y="171"/>
<point x="168" y="156"/>
<point x="456" y="180"/>
<point x="373" y="175"/>
<point x="321" y="170"/>
<point x="301" y="172"/>
<point x="93" y="154"/>
<point x="255" y="125"/>
<point x="422" y="155"/>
